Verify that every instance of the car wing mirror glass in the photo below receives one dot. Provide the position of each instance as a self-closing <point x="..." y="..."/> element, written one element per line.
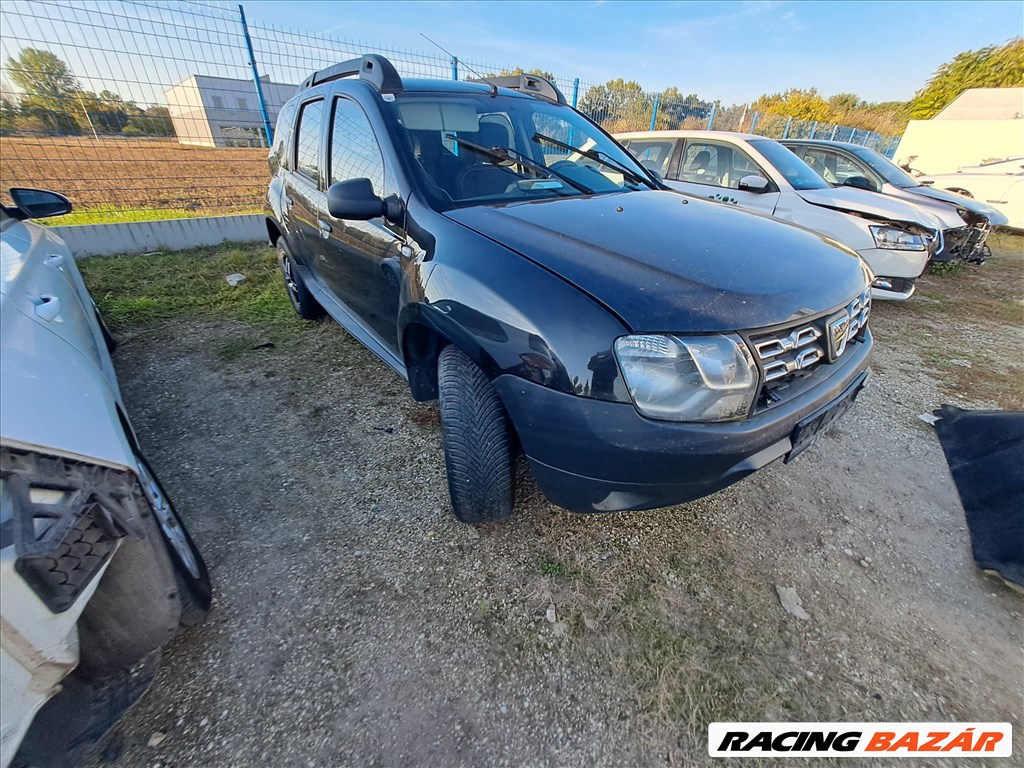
<point x="754" y="183"/>
<point x="39" y="203"/>
<point x="861" y="182"/>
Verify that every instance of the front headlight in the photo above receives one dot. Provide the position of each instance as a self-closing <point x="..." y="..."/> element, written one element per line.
<point x="896" y="239"/>
<point x="694" y="378"/>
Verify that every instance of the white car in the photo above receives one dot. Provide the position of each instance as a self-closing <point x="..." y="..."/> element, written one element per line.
<point x="999" y="184"/>
<point x="966" y="223"/>
<point x="895" y="238"/>
<point x="97" y="568"/>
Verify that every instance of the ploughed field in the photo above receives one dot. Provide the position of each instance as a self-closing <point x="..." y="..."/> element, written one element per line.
<point x="357" y="623"/>
<point x="118" y="173"/>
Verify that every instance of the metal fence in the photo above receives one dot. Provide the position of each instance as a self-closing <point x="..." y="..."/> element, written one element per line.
<point x="150" y="109"/>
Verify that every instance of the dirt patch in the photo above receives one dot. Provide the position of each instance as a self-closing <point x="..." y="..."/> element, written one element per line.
<point x="138" y="173"/>
<point x="357" y="623"/>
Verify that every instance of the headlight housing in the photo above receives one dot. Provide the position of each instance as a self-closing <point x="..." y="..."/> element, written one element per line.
<point x="688" y="378"/>
<point x="896" y="239"/>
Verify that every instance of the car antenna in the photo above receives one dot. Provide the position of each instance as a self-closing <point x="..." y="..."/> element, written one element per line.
<point x="494" y="88"/>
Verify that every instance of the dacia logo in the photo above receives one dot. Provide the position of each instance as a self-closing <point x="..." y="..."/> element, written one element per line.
<point x="838" y="327"/>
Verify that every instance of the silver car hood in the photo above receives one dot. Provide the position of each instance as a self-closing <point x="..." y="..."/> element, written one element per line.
<point x="870" y="204"/>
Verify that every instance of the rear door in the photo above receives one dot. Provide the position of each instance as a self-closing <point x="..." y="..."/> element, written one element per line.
<point x="305" y="193"/>
<point x="713" y="169"/>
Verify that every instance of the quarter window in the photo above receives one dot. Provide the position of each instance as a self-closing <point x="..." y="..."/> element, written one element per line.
<point x="307" y="144"/>
<point x="355" y="153"/>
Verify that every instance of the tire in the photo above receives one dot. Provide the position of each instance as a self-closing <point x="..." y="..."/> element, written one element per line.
<point x="195" y="589"/>
<point x="302" y="300"/>
<point x="477" y="441"/>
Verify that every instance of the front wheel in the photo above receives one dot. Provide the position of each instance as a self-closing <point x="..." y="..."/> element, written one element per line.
<point x="195" y="589"/>
<point x="477" y="444"/>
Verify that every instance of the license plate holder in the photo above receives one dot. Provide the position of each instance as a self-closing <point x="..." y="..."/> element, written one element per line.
<point x="807" y="432"/>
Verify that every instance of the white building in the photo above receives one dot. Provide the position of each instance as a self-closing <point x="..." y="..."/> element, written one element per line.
<point x="980" y="124"/>
<point x="222" y="112"/>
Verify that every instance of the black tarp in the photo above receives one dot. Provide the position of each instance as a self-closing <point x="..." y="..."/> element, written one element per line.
<point x="985" y="453"/>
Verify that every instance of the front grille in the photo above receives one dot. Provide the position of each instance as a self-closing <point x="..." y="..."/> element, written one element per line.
<point x="794" y="351"/>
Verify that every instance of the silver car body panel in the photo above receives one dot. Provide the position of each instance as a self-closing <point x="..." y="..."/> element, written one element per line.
<point x="58" y="396"/>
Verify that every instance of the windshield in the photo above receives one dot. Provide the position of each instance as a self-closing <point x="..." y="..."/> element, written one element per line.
<point x="543" y="150"/>
<point x="887" y="169"/>
<point x="798" y="173"/>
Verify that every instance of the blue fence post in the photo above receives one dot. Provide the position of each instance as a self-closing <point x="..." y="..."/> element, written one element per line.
<point x="753" y="123"/>
<point x="654" y="110"/>
<point x="455" y="67"/>
<point x="575" y="92"/>
<point x="853" y="133"/>
<point x="834" y="129"/>
<point x="814" y="129"/>
<point x="267" y="128"/>
<point x="785" y="131"/>
<point x="711" y="117"/>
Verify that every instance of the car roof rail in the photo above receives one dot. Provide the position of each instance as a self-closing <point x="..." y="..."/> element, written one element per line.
<point x="374" y="69"/>
<point x="525" y="83"/>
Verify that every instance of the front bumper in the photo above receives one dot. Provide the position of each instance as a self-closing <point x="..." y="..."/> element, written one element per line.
<point x="592" y="455"/>
<point x="891" y="263"/>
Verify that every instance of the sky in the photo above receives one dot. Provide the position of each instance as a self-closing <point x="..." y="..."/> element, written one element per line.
<point x="733" y="51"/>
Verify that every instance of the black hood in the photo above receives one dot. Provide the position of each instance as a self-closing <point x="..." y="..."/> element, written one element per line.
<point x="663" y="261"/>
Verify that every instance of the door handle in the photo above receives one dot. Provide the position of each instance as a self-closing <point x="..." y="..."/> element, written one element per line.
<point x="289" y="201"/>
<point x="55" y="259"/>
<point x="48" y="308"/>
<point x="325" y="228"/>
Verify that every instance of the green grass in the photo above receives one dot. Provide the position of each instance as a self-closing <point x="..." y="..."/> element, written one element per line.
<point x="109" y="214"/>
<point x="135" y="290"/>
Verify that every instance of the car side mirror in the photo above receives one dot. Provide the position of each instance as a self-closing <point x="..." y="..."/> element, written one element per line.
<point x="754" y="183"/>
<point x="39" y="203"/>
<point x="354" y="199"/>
<point x="861" y="182"/>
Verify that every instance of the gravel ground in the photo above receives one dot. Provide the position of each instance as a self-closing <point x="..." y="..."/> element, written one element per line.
<point x="358" y="624"/>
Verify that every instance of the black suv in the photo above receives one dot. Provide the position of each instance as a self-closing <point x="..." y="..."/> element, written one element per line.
<point x="506" y="256"/>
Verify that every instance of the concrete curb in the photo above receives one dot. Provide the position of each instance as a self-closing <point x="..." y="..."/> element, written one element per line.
<point x="169" y="234"/>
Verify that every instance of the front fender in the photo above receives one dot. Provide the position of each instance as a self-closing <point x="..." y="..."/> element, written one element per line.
<point x="511" y="317"/>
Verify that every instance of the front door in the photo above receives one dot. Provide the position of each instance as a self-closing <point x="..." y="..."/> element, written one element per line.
<point x="713" y="169"/>
<point x="361" y="263"/>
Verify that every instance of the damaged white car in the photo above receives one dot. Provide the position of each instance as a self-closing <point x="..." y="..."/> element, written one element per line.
<point x="895" y="238"/>
<point x="98" y="571"/>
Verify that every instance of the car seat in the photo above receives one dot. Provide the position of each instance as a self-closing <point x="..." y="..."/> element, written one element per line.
<point x="484" y="178"/>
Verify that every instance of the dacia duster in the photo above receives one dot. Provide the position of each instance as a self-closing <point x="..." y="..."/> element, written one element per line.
<point x="507" y="257"/>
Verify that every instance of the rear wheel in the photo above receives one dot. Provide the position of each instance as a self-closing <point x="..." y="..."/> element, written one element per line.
<point x="302" y="300"/>
<point x="477" y="441"/>
<point x="194" y="587"/>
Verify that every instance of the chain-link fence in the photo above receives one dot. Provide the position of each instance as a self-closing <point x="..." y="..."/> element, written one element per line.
<point x="149" y="109"/>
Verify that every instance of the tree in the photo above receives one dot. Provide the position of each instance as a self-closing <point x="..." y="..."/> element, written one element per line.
<point x="990" y="67"/>
<point x="154" y="121"/>
<point x="520" y="71"/>
<point x="49" y="89"/>
<point x="796" y="102"/>
<point x="678" y="111"/>
<point x="618" y="105"/>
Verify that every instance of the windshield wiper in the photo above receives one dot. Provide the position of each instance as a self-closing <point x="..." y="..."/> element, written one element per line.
<point x="508" y="156"/>
<point x="597" y="156"/>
